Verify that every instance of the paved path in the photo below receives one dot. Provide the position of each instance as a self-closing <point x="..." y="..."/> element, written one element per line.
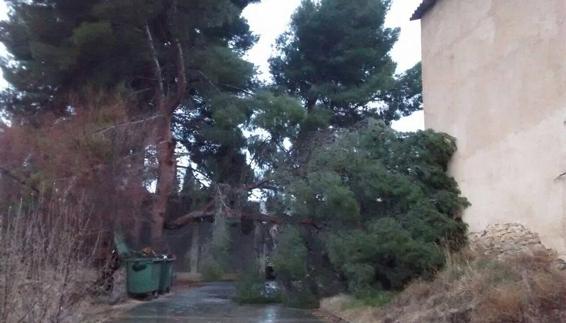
<point x="210" y="303"/>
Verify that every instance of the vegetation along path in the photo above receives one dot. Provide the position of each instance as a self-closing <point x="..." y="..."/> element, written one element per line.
<point x="211" y="303"/>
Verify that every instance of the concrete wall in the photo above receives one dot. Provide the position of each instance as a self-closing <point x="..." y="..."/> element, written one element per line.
<point x="494" y="75"/>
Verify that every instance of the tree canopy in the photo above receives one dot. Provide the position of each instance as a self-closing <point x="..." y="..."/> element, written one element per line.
<point x="383" y="207"/>
<point x="336" y="56"/>
<point x="59" y="46"/>
<point x="179" y="63"/>
<point x="130" y="88"/>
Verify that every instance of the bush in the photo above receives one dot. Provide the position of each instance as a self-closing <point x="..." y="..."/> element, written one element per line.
<point x="382" y="206"/>
<point x="289" y="261"/>
<point x="211" y="271"/>
<point x="383" y="256"/>
<point x="289" y="256"/>
<point x="251" y="289"/>
<point x="300" y="296"/>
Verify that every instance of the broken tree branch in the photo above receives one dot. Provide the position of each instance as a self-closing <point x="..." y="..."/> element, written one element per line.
<point x="206" y="211"/>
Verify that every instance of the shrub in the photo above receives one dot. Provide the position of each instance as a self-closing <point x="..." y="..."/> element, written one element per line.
<point x="289" y="256"/>
<point x="252" y="289"/>
<point x="289" y="261"/>
<point x="382" y="206"/>
<point x="211" y="271"/>
<point x="300" y="296"/>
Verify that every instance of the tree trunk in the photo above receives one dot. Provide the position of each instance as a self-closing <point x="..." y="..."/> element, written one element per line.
<point x="166" y="180"/>
<point x="139" y="193"/>
<point x="166" y="104"/>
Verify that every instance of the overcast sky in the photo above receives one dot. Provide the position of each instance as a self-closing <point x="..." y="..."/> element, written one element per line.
<point x="270" y="18"/>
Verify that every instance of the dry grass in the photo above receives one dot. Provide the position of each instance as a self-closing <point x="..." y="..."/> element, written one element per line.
<point x="341" y="307"/>
<point x="46" y="269"/>
<point x="474" y="288"/>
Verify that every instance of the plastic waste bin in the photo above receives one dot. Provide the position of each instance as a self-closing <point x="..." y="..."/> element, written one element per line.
<point x="166" y="277"/>
<point x="143" y="276"/>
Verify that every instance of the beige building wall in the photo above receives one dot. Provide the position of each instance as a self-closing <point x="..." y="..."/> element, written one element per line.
<point x="494" y="74"/>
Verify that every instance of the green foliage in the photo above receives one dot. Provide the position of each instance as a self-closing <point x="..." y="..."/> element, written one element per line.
<point x="383" y="256"/>
<point x="405" y="96"/>
<point x="380" y="201"/>
<point x="211" y="270"/>
<point x="60" y="47"/>
<point x="279" y="115"/>
<point x="292" y="271"/>
<point x="300" y="297"/>
<point x="63" y="46"/>
<point x="250" y="289"/>
<point x="336" y="55"/>
<point x="289" y="257"/>
<point x="385" y="203"/>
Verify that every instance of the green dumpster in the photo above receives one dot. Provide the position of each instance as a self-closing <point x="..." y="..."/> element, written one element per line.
<point x="143" y="276"/>
<point x="166" y="278"/>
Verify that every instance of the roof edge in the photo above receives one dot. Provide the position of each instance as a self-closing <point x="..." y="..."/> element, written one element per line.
<point x="423" y="8"/>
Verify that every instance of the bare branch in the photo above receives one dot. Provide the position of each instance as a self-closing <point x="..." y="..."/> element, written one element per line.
<point x="206" y="176"/>
<point x="156" y="67"/>
<point x="129" y="123"/>
<point x="207" y="79"/>
<point x="237" y="88"/>
<point x="262" y="184"/>
<point x="181" y="78"/>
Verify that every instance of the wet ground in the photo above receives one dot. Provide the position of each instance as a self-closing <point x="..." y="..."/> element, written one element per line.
<point x="211" y="303"/>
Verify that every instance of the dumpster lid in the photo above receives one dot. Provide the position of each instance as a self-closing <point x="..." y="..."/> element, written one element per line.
<point x="121" y="245"/>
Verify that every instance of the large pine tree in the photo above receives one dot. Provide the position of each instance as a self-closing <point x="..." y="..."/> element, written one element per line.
<point x="172" y="57"/>
<point x="376" y="206"/>
<point x="336" y="58"/>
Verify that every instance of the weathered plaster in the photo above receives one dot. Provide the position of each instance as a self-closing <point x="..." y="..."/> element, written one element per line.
<point x="494" y="74"/>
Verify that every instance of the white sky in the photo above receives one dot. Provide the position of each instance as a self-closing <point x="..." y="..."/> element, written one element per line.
<point x="270" y="18"/>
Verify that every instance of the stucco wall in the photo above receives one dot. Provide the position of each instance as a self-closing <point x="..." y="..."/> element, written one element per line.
<point x="494" y="74"/>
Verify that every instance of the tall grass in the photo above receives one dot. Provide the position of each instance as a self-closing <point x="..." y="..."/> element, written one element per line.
<point x="46" y="258"/>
